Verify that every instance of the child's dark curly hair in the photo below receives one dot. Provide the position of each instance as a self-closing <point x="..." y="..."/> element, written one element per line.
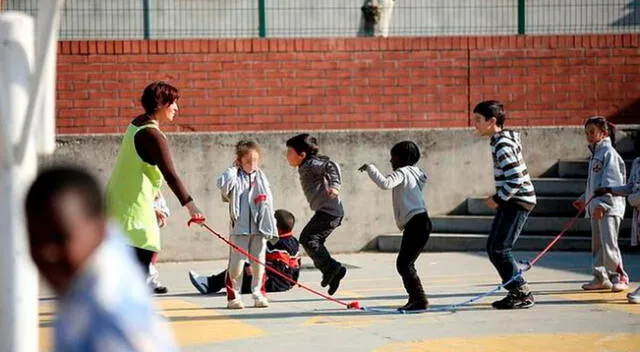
<point x="406" y="153"/>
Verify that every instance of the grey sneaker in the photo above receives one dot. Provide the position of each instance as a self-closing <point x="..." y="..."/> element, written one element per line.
<point x="597" y="284"/>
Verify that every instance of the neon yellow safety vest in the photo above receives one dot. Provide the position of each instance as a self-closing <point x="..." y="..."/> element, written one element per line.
<point x="131" y="191"/>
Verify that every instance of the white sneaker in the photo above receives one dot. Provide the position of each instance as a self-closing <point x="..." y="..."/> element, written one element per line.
<point x="201" y="283"/>
<point x="634" y="297"/>
<point x="260" y="302"/>
<point x="597" y="284"/>
<point x="235" y="304"/>
<point x="619" y="285"/>
<point x="153" y="281"/>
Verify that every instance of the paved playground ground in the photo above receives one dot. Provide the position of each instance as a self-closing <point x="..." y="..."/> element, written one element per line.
<point x="565" y="318"/>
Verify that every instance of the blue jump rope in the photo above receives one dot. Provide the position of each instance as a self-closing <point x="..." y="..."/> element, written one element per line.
<point x="355" y="305"/>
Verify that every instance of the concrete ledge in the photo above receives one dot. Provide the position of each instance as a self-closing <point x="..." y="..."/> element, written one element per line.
<point x="457" y="161"/>
<point x="559" y="186"/>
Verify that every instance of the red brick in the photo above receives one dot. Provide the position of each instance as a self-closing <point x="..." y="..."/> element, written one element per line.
<point x="310" y="109"/>
<point x="75" y="47"/>
<point x="64" y="47"/>
<point x="266" y="100"/>
<point x="84" y="47"/>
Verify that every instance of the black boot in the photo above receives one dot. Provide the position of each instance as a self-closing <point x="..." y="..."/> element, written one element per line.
<point x="335" y="280"/>
<point x="415" y="304"/>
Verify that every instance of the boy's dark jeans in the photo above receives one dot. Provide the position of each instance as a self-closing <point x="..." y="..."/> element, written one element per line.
<point x="505" y="229"/>
<point x="314" y="235"/>
<point x="414" y="239"/>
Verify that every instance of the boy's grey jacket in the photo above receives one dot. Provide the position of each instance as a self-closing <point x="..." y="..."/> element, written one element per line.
<point x="407" y="183"/>
<point x="317" y="175"/>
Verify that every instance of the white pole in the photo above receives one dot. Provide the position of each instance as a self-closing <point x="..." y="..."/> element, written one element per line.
<point x="47" y="24"/>
<point x="49" y="17"/>
<point x="18" y="276"/>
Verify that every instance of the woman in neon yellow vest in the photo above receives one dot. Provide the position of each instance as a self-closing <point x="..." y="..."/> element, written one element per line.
<point x="143" y="163"/>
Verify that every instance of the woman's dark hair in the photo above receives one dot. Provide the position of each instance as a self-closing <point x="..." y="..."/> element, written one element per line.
<point x="602" y="124"/>
<point x="406" y="153"/>
<point x="491" y="108"/>
<point x="244" y="146"/>
<point x="285" y="220"/>
<point x="304" y="143"/>
<point x="158" y="94"/>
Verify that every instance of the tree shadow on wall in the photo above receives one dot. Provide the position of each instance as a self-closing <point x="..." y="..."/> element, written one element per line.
<point x="629" y="147"/>
<point x="628" y="114"/>
<point x="632" y="18"/>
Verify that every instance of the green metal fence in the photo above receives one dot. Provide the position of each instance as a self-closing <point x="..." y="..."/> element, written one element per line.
<point x="126" y="19"/>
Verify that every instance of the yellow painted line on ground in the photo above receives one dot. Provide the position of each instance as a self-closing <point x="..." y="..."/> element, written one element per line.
<point x="191" y="325"/>
<point x="606" y="299"/>
<point x="349" y="294"/>
<point x="524" y="343"/>
<point x="46" y="312"/>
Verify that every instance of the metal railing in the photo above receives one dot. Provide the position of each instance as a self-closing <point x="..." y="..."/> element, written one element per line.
<point x="164" y="19"/>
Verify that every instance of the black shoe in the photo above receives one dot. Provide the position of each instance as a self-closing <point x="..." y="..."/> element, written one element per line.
<point x="335" y="281"/>
<point x="327" y="278"/>
<point x="160" y="290"/>
<point x="414" y="305"/>
<point x="515" y="300"/>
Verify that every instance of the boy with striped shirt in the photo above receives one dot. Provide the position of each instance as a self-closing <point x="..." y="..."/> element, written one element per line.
<point x="514" y="199"/>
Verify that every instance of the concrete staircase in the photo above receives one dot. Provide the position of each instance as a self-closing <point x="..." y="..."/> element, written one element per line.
<point x="468" y="231"/>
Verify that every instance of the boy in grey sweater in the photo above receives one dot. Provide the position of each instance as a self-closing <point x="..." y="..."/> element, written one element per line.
<point x="410" y="211"/>
<point x="320" y="179"/>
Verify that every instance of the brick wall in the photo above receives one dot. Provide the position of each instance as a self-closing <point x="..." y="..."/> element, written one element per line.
<point x="310" y="84"/>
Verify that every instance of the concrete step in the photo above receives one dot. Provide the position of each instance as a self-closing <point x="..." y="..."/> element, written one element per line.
<point x="578" y="168"/>
<point x="547" y="206"/>
<point x="553" y="206"/>
<point x="559" y="186"/>
<point x="444" y="242"/>
<point x="540" y="225"/>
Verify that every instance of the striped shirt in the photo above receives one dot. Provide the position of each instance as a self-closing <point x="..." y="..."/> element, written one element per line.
<point x="513" y="183"/>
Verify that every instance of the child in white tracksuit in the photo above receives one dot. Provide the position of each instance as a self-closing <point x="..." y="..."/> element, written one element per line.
<point x="606" y="169"/>
<point x="632" y="191"/>
<point x="410" y="210"/>
<point x="248" y="192"/>
<point x="162" y="213"/>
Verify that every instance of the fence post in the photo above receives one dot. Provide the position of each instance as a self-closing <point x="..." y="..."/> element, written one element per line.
<point x="146" y="19"/>
<point x="521" y="17"/>
<point x="262" y="19"/>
